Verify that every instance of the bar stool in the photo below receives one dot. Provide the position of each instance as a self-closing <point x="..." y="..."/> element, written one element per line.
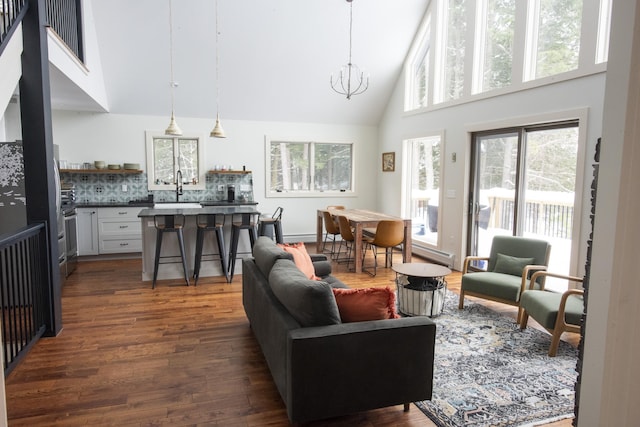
<point x="247" y="222"/>
<point x="275" y="222"/>
<point x="204" y="223"/>
<point x="169" y="224"/>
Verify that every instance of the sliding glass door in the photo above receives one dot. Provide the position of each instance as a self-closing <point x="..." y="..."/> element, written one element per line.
<point x="523" y="184"/>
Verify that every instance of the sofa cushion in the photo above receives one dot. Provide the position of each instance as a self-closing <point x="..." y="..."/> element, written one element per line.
<point x="265" y="253"/>
<point x="506" y="264"/>
<point x="310" y="302"/>
<point x="301" y="258"/>
<point x="357" y="305"/>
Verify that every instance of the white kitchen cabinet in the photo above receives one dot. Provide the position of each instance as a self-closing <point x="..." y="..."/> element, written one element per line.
<point x="119" y="230"/>
<point x="108" y="230"/>
<point x="87" y="231"/>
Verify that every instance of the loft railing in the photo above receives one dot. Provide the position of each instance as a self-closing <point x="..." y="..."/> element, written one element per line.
<point x="65" y="18"/>
<point x="22" y="291"/>
<point x="11" y="13"/>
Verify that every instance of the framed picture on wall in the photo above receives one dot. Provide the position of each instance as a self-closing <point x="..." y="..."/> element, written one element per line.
<point x="388" y="162"/>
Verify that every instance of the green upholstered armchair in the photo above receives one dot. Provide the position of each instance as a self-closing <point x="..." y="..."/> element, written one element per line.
<point x="556" y="312"/>
<point x="511" y="263"/>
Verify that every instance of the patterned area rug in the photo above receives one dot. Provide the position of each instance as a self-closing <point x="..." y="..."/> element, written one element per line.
<point x="487" y="372"/>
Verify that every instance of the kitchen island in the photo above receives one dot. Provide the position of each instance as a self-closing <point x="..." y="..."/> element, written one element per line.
<point x="170" y="243"/>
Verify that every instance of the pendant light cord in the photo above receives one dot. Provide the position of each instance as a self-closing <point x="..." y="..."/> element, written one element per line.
<point x="217" y="66"/>
<point x="171" y="52"/>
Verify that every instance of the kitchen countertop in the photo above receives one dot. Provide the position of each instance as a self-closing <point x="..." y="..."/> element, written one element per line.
<point x="149" y="205"/>
<point x="227" y="210"/>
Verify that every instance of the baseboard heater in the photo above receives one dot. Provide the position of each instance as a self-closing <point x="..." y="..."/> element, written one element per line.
<point x="436" y="255"/>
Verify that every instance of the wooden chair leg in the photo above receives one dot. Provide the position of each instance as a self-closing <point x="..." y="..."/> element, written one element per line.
<point x="524" y="319"/>
<point x="555" y="341"/>
<point x="406" y="407"/>
<point x="461" y="300"/>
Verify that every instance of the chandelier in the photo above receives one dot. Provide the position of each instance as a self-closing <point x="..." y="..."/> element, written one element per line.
<point x="350" y="79"/>
<point x="173" y="128"/>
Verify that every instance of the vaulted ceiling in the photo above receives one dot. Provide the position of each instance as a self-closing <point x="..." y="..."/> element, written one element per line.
<point x="275" y="56"/>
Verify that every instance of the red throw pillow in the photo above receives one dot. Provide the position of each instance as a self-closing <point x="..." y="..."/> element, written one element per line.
<point x="357" y="305"/>
<point x="301" y="258"/>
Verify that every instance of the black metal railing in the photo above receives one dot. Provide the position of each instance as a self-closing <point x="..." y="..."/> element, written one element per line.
<point x="22" y="291"/>
<point x="65" y="18"/>
<point x="11" y="13"/>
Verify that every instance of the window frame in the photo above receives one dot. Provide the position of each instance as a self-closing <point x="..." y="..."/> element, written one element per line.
<point x="150" y="136"/>
<point x="310" y="192"/>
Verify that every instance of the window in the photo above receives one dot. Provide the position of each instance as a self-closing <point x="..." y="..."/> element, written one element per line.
<point x="553" y="37"/>
<point x="305" y="168"/>
<point x="469" y="48"/>
<point x="495" y="31"/>
<point x="166" y="155"/>
<point x="604" y="27"/>
<point x="422" y="187"/>
<point x="452" y="26"/>
<point x="418" y="70"/>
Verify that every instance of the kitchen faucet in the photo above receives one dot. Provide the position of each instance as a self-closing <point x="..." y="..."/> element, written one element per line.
<point x="178" y="185"/>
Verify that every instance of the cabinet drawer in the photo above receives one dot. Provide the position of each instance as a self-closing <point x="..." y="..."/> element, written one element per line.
<point x="123" y="213"/>
<point x="108" y="246"/>
<point x="120" y="227"/>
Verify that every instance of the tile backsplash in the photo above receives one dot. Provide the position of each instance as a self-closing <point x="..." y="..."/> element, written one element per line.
<point x="110" y="188"/>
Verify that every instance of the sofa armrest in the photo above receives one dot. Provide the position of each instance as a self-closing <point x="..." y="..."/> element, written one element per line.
<point x="318" y="257"/>
<point x="322" y="268"/>
<point x="339" y="369"/>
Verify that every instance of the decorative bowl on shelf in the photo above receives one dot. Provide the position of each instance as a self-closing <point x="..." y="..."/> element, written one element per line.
<point x="113" y="167"/>
<point x="131" y="166"/>
<point x="99" y="164"/>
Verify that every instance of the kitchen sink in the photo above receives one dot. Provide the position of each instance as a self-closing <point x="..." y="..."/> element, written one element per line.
<point x="177" y="205"/>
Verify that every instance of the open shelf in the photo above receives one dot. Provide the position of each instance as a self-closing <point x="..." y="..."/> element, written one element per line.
<point x="107" y="171"/>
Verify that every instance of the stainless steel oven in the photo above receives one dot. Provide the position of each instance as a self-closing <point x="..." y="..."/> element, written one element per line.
<point x="71" y="238"/>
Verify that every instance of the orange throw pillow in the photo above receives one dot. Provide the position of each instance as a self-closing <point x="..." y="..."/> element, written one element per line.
<point x="301" y="259"/>
<point x="358" y="305"/>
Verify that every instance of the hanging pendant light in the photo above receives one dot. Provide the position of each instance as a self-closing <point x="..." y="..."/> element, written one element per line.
<point x="217" y="131"/>
<point x="350" y="80"/>
<point x="173" y="128"/>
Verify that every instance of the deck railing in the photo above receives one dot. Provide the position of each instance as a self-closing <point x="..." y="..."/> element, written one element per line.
<point x="22" y="291"/>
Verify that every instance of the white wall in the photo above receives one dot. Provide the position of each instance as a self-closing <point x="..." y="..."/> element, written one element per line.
<point x="611" y="374"/>
<point x="551" y="102"/>
<point x="86" y="137"/>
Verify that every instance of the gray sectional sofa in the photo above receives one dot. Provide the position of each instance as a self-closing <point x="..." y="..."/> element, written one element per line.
<point x="322" y="367"/>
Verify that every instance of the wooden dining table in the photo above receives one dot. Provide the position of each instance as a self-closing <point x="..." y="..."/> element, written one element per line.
<point x="359" y="220"/>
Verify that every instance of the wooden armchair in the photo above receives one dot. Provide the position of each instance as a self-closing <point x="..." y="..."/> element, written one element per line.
<point x="510" y="264"/>
<point x="556" y="312"/>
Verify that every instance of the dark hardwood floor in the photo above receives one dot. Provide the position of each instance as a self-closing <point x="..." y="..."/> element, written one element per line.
<point x="175" y="355"/>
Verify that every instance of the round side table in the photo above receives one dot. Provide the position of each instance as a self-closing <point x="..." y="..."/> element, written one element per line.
<point x="421" y="288"/>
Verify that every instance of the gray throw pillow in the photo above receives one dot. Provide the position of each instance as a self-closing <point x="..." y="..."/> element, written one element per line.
<point x="511" y="265"/>
<point x="310" y="302"/>
<point x="265" y="254"/>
